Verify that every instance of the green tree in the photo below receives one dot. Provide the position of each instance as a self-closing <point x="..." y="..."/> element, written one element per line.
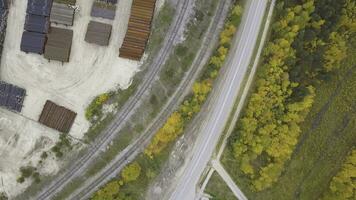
<point x="131" y="172"/>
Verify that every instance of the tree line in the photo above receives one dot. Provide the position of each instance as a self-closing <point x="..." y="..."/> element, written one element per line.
<point x="307" y="43"/>
<point x="147" y="165"/>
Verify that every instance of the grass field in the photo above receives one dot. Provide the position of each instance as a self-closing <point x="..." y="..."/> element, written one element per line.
<point x="218" y="189"/>
<point x="328" y="135"/>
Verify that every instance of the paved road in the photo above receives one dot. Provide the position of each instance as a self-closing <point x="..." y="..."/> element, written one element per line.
<point x="114" y="167"/>
<point x="226" y="177"/>
<point x="218" y="115"/>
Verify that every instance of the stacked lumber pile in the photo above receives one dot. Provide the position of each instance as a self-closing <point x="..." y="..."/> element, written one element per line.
<point x="57" y="117"/>
<point x="139" y="29"/>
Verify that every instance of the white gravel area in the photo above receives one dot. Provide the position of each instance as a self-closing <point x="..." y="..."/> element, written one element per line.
<point x="92" y="69"/>
<point x="22" y="142"/>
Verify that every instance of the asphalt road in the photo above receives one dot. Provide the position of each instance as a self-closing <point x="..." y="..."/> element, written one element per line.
<point x="114" y="167"/>
<point x="225" y="96"/>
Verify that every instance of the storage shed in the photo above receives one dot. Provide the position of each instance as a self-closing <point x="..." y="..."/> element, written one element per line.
<point x="11" y="96"/>
<point x="62" y="14"/>
<point x="103" y="9"/>
<point x="57" y="117"/>
<point x="139" y="29"/>
<point x="39" y="7"/>
<point x="32" y="42"/>
<point x="37" y="23"/>
<point x="59" y="44"/>
<point x="98" y="33"/>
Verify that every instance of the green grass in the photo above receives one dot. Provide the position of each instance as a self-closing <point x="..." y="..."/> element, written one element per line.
<point x="138" y="188"/>
<point x="328" y="135"/>
<point x="218" y="189"/>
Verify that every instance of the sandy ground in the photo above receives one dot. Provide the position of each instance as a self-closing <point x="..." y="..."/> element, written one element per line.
<point x="22" y="142"/>
<point x="92" y="69"/>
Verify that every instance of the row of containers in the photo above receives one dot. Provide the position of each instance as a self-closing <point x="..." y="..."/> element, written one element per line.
<point x="55" y="43"/>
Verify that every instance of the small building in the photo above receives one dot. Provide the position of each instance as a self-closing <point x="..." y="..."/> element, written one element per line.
<point x="62" y="14"/>
<point x="39" y="7"/>
<point x="104" y="9"/>
<point x="98" y="33"/>
<point x="32" y="42"/>
<point x="11" y="97"/>
<point x="59" y="44"/>
<point x="37" y="23"/>
<point x="57" y="117"/>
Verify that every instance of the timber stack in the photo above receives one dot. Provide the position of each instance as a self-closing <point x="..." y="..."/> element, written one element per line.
<point x="139" y="29"/>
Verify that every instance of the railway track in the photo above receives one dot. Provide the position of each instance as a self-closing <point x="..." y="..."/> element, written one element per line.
<point x="115" y="166"/>
<point x="109" y="133"/>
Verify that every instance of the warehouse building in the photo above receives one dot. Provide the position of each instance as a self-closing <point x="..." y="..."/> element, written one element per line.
<point x="62" y="14"/>
<point x="32" y="42"/>
<point x="57" y="117"/>
<point x="36" y="23"/>
<point x="39" y="7"/>
<point x="98" y="33"/>
<point x="59" y="44"/>
<point x="11" y="97"/>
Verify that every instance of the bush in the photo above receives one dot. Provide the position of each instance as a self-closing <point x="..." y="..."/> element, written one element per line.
<point x="94" y="109"/>
<point x="131" y="172"/>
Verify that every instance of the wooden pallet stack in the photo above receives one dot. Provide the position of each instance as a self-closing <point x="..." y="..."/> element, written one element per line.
<point x="57" y="117"/>
<point x="139" y="29"/>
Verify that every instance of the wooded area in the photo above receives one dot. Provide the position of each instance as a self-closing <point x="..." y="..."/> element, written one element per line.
<point x="307" y="43"/>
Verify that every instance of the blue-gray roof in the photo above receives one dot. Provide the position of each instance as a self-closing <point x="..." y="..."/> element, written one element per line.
<point x="4" y="4"/>
<point x="103" y="13"/>
<point x="11" y="96"/>
<point x="32" y="42"/>
<point x="39" y="7"/>
<point x="37" y="23"/>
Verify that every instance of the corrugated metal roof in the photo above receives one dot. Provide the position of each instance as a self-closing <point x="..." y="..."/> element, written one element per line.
<point x="57" y="117"/>
<point x="37" y="23"/>
<point x="33" y="42"/>
<point x="11" y="96"/>
<point x="62" y="14"/>
<point x="103" y="10"/>
<point x="98" y="33"/>
<point x="39" y="7"/>
<point x="109" y="1"/>
<point x="59" y="44"/>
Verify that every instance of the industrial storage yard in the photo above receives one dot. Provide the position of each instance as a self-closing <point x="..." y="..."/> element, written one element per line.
<point x="91" y="70"/>
<point x="58" y="68"/>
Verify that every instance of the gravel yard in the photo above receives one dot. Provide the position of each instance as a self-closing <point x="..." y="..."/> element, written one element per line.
<point x="92" y="69"/>
<point x="22" y="142"/>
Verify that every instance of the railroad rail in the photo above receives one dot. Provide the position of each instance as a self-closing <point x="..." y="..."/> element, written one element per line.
<point x="108" y="134"/>
<point x="137" y="147"/>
